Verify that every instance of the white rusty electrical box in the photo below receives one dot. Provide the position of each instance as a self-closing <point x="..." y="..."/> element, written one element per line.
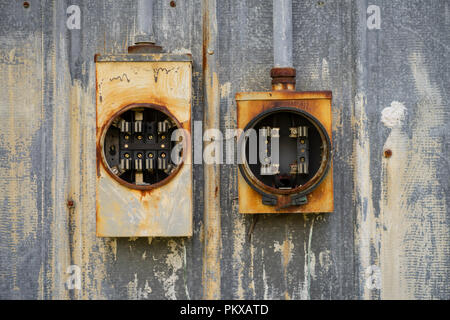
<point x="144" y="167"/>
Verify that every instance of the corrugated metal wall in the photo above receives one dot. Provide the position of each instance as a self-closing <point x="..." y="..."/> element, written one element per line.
<point x="390" y="234"/>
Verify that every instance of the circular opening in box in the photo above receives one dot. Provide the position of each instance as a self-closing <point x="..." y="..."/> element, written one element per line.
<point x="303" y="152"/>
<point x="142" y="147"/>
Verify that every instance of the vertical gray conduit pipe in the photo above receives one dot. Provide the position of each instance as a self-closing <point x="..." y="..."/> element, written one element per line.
<point x="144" y="32"/>
<point x="282" y="33"/>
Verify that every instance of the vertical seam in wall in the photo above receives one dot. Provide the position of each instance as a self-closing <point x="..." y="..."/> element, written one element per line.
<point x="212" y="211"/>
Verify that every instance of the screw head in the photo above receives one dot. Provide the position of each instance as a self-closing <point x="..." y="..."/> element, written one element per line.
<point x="163" y="155"/>
<point x="387" y="153"/>
<point x="127" y="155"/>
<point x="139" y="155"/>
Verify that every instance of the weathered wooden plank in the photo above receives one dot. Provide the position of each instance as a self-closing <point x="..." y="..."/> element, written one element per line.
<point x="401" y="96"/>
<point x="22" y="233"/>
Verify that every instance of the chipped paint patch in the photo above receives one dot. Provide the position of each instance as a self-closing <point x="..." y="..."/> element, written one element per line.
<point x="286" y="250"/>
<point x="134" y="292"/>
<point x="174" y="263"/>
<point x="225" y="90"/>
<point x="310" y="264"/>
<point x="367" y="236"/>
<point x="393" y="116"/>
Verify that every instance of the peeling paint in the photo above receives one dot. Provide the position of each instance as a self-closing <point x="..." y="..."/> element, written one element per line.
<point x="366" y="219"/>
<point x="310" y="263"/>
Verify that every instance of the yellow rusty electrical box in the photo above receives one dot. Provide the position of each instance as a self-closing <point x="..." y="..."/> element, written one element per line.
<point x="144" y="167"/>
<point x="301" y="179"/>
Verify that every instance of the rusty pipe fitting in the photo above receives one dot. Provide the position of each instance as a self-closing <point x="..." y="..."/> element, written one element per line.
<point x="283" y="79"/>
<point x="144" y="38"/>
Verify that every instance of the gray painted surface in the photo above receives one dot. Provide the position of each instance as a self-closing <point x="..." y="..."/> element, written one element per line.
<point x="144" y="26"/>
<point x="391" y="214"/>
<point x="282" y="33"/>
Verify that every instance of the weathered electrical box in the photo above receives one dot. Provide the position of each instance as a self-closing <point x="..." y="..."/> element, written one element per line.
<point x="301" y="179"/>
<point x="144" y="167"/>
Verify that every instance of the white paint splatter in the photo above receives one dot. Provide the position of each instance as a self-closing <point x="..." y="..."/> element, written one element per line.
<point x="174" y="262"/>
<point x="394" y="115"/>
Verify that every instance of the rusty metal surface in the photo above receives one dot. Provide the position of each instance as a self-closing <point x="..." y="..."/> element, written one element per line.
<point x="391" y="215"/>
<point x="318" y="105"/>
<point x="143" y="211"/>
<point x="283" y="78"/>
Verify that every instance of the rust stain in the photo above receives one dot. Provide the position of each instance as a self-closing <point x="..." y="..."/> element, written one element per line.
<point x="387" y="153"/>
